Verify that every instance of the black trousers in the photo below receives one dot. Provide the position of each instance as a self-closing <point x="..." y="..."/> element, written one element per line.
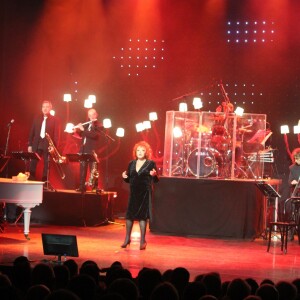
<point x="42" y="151"/>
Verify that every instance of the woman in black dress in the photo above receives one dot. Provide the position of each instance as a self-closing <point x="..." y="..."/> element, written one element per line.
<point x="140" y="174"/>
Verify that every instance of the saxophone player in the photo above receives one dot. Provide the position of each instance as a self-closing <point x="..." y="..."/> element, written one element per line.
<point x="90" y="135"/>
<point x="37" y="142"/>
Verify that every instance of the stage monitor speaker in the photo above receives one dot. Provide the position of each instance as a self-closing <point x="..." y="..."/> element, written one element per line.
<point x="60" y="245"/>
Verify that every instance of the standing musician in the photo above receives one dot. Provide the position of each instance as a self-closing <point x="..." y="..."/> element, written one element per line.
<point x="42" y="124"/>
<point x="294" y="174"/>
<point x="90" y="135"/>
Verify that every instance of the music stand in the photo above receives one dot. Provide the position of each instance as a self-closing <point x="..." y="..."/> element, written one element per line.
<point x="25" y="156"/>
<point x="84" y="158"/>
<point x="269" y="192"/>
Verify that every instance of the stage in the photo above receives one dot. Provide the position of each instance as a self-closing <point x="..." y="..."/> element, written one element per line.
<point x="195" y="224"/>
<point x="181" y="206"/>
<point x="231" y="257"/>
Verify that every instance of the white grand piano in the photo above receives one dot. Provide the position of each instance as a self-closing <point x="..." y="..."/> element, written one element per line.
<point x="26" y="194"/>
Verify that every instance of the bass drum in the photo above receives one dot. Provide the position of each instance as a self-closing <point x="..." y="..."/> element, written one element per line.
<point x="206" y="159"/>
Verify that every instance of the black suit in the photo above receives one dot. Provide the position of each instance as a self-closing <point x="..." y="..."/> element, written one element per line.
<point x="90" y="139"/>
<point x="41" y="145"/>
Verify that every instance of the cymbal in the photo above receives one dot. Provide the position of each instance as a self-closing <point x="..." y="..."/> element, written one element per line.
<point x="203" y="129"/>
<point x="244" y="130"/>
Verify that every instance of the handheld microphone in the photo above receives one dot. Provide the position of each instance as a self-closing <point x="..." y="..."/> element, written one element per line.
<point x="10" y="123"/>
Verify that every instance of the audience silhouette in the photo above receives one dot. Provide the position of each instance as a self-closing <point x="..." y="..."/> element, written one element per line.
<point x="68" y="281"/>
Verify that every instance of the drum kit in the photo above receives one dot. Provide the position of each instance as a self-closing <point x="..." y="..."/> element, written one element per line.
<point x="210" y="155"/>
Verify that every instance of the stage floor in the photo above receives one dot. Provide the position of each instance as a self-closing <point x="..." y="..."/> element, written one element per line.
<point x="231" y="257"/>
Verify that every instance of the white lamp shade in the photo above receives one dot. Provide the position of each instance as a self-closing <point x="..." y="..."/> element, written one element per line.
<point x="67" y="97"/>
<point x="88" y="103"/>
<point x="139" y="127"/>
<point x="92" y="98"/>
<point x="239" y="111"/>
<point x="197" y="103"/>
<point x="284" y="129"/>
<point x="182" y="107"/>
<point x="297" y="129"/>
<point x="69" y="127"/>
<point x="52" y="112"/>
<point x="106" y="123"/>
<point x="147" y="124"/>
<point x="120" y="132"/>
<point x="153" y="116"/>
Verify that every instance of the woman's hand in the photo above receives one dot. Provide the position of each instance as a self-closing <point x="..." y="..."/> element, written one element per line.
<point x="153" y="172"/>
<point x="124" y="175"/>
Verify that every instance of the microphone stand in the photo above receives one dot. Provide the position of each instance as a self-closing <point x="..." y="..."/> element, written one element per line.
<point x="7" y="139"/>
<point x="6" y="158"/>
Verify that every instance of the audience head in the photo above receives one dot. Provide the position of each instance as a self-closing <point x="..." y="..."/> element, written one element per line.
<point x="21" y="274"/>
<point x="267" y="280"/>
<point x="147" y="280"/>
<point x="125" y="287"/>
<point x="252" y="297"/>
<point x="62" y="276"/>
<point x="180" y="279"/>
<point x="72" y="265"/>
<point x="296" y="283"/>
<point x="116" y="273"/>
<point x="238" y="289"/>
<point x="253" y="284"/>
<point x="208" y="297"/>
<point x="167" y="275"/>
<point x="37" y="292"/>
<point x="267" y="291"/>
<point x="286" y="290"/>
<point x="4" y="281"/>
<point x="91" y="270"/>
<point x="212" y="283"/>
<point x="163" y="291"/>
<point x="62" y="294"/>
<point x="194" y="290"/>
<point x="84" y="286"/>
<point x="43" y="274"/>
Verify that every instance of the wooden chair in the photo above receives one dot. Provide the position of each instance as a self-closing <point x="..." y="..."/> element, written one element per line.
<point x="283" y="227"/>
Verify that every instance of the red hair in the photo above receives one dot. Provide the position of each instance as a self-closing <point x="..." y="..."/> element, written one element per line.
<point x="148" y="153"/>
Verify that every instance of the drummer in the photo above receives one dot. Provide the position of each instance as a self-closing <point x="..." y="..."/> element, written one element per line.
<point x="220" y="136"/>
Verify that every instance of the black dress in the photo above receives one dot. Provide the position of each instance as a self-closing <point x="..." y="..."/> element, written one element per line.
<point x="141" y="185"/>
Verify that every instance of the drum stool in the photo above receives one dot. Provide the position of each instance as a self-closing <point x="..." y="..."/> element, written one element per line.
<point x="283" y="228"/>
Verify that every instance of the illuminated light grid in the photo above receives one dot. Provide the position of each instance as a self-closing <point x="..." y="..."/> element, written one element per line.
<point x="141" y="55"/>
<point x="246" y="32"/>
<point x="238" y="93"/>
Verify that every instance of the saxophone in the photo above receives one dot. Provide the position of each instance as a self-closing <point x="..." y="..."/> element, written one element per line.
<point x="57" y="158"/>
<point x="94" y="175"/>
